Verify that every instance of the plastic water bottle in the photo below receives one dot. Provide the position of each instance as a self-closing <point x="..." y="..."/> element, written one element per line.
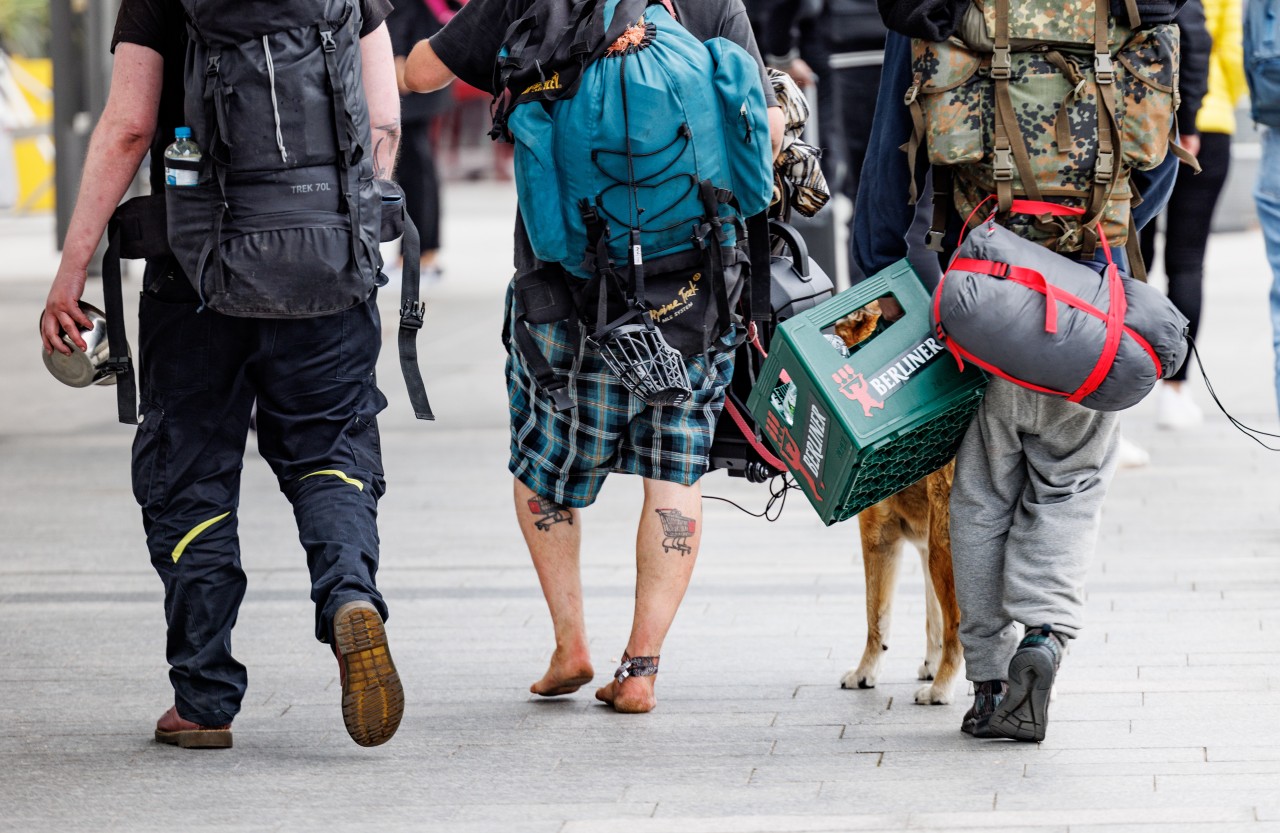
<point x="182" y="160"/>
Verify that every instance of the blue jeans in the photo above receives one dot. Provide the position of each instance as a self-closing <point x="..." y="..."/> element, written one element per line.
<point x="1267" y="195"/>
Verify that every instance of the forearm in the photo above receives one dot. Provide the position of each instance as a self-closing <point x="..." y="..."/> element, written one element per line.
<point x="383" y="95"/>
<point x="424" y="72"/>
<point x="114" y="156"/>
<point x="777" y="127"/>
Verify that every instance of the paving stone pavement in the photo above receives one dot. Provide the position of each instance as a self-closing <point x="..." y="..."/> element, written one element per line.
<point x="1167" y="717"/>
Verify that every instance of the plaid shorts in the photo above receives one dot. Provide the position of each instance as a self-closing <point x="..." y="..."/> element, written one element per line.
<point x="565" y="457"/>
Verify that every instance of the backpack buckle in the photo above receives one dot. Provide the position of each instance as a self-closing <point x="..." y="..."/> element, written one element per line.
<point x="327" y="43"/>
<point x="1002" y="170"/>
<point x="211" y="68"/>
<point x="412" y="314"/>
<point x="1103" y="68"/>
<point x="1105" y="169"/>
<point x="933" y="240"/>
<point x="1002" y="64"/>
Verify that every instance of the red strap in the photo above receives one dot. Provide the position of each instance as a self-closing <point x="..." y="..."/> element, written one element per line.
<point x="1020" y="274"/>
<point x="1115" y="331"/>
<point x="959" y="351"/>
<point x="1042" y="207"/>
<point x="750" y="434"/>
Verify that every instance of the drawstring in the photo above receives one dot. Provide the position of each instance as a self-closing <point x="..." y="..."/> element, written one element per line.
<point x="275" y="105"/>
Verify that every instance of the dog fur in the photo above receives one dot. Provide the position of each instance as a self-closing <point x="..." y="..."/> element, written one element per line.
<point x="920" y="514"/>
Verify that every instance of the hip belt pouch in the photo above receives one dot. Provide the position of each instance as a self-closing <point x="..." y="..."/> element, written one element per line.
<point x="1054" y="325"/>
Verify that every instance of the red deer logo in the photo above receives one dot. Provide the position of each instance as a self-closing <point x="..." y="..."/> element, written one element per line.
<point x="854" y="387"/>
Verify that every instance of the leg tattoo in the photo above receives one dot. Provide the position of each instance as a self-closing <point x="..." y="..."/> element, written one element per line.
<point x="676" y="530"/>
<point x="549" y="513"/>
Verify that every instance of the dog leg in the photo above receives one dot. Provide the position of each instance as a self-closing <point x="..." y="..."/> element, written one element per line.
<point x="932" y="619"/>
<point x="881" y="546"/>
<point x="949" y="669"/>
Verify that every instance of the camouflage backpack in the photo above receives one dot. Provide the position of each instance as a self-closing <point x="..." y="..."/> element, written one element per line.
<point x="1045" y="100"/>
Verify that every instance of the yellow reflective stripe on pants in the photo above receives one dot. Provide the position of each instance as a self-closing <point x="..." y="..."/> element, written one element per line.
<point x="340" y="475"/>
<point x="191" y="536"/>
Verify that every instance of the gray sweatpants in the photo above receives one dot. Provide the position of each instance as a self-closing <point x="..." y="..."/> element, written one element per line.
<point x="1030" y="478"/>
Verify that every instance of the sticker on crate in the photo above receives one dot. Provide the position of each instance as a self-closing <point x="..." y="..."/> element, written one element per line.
<point x="889" y="379"/>
<point x="807" y="461"/>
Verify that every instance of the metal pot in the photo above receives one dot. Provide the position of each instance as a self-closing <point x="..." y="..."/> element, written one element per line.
<point x="83" y="367"/>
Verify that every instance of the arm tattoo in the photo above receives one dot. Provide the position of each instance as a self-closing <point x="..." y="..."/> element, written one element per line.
<point x="549" y="513"/>
<point x="385" y="146"/>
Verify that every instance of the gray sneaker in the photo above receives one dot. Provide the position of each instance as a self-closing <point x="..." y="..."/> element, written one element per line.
<point x="1024" y="712"/>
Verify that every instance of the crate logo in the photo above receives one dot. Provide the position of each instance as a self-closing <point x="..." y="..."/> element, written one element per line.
<point x="854" y="387"/>
<point x="815" y="442"/>
<point x="791" y="454"/>
<point x="889" y="380"/>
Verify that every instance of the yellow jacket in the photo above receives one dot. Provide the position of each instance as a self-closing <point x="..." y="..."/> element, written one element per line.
<point x="1224" y="19"/>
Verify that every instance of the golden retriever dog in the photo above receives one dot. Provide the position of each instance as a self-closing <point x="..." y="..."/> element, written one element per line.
<point x="920" y="514"/>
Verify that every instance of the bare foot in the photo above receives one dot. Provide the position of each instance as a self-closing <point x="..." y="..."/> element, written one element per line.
<point x="634" y="695"/>
<point x="565" y="675"/>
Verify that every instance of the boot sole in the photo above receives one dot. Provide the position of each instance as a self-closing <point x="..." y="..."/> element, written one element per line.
<point x="196" y="738"/>
<point x="1024" y="713"/>
<point x="372" y="696"/>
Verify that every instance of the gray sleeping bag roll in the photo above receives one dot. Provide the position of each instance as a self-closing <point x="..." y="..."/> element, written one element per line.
<point x="1000" y="323"/>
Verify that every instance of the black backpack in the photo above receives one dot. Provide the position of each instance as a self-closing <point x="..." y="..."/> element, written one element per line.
<point x="285" y="218"/>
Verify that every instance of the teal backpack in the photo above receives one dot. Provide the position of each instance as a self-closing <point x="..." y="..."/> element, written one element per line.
<point x="639" y="153"/>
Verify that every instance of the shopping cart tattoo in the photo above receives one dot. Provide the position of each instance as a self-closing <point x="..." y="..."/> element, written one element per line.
<point x="549" y="513"/>
<point x="676" y="531"/>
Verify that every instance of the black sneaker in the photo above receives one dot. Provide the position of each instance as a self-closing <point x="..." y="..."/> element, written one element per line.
<point x="986" y="696"/>
<point x="1024" y="712"/>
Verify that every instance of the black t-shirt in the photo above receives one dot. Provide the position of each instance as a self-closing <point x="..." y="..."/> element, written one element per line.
<point x="160" y="25"/>
<point x="411" y="22"/>
<point x="469" y="46"/>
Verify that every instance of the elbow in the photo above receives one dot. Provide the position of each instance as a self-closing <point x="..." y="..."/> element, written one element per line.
<point x="131" y="137"/>
<point x="424" y="72"/>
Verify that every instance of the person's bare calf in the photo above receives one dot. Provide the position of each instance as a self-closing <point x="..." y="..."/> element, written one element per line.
<point x="666" y="549"/>
<point x="553" y="534"/>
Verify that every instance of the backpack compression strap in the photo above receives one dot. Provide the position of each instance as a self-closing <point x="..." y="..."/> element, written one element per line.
<point x="411" y="314"/>
<point x="113" y="296"/>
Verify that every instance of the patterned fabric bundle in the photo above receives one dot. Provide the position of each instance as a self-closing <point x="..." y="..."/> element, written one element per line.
<point x="798" y="163"/>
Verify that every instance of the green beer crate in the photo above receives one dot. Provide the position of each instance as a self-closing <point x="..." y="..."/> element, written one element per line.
<point x="856" y="428"/>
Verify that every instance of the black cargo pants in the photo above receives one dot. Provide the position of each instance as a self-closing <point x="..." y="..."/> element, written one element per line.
<point x="313" y="380"/>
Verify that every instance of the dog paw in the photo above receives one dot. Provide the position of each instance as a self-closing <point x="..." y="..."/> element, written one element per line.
<point x="926" y="670"/>
<point x="857" y="678"/>
<point x="934" y="695"/>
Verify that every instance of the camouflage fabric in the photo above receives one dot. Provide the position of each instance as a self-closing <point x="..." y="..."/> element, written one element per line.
<point x="1056" y="103"/>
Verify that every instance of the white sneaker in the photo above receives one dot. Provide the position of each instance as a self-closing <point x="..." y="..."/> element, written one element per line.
<point x="1177" y="408"/>
<point x="1131" y="455"/>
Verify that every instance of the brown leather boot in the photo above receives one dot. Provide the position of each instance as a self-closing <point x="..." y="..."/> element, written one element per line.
<point x="174" y="729"/>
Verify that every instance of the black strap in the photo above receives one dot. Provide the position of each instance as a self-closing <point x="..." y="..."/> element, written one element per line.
<point x="760" y="285"/>
<point x="119" y="362"/>
<point x="412" y="312"/>
<point x="716" y="239"/>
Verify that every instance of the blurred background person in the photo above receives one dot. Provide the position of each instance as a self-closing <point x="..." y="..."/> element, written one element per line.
<point x="410" y="22"/>
<point x="1207" y="121"/>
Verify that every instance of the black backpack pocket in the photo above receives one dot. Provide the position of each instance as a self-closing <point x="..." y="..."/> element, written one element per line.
<point x="295" y="265"/>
